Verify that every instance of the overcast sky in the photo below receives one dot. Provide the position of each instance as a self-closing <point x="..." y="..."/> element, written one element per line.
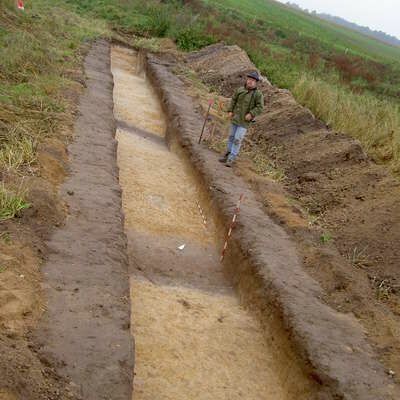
<point x="381" y="15"/>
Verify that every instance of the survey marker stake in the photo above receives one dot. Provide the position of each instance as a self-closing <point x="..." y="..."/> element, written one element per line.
<point x="235" y="213"/>
<point x="210" y="103"/>
<point x="20" y="5"/>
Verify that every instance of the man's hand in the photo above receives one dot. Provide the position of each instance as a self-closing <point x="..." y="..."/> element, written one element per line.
<point x="248" y="117"/>
<point x="230" y="115"/>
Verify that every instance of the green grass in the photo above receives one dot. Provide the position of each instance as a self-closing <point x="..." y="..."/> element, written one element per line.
<point x="325" y="237"/>
<point x="281" y="41"/>
<point x="5" y="237"/>
<point x="289" y="21"/>
<point x="349" y="80"/>
<point x="375" y="123"/>
<point x="38" y="48"/>
<point x="149" y="19"/>
<point x="39" y="57"/>
<point x="11" y="203"/>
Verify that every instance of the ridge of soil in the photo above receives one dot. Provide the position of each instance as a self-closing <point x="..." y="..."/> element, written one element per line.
<point x="267" y="269"/>
<point x="331" y="185"/>
<point x="85" y="330"/>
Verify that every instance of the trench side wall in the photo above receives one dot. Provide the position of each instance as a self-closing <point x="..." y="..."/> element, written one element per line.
<point x="319" y="353"/>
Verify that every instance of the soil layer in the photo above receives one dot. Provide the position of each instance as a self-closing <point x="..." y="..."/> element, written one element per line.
<point x="85" y="331"/>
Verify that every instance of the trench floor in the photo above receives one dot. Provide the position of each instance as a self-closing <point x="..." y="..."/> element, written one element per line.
<point x="193" y="338"/>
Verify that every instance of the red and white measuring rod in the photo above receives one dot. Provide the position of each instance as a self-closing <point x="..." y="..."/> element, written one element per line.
<point x="201" y="213"/>
<point x="235" y="213"/>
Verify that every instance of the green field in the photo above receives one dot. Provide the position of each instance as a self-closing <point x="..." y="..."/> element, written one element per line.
<point x="294" y="50"/>
<point x="329" y="36"/>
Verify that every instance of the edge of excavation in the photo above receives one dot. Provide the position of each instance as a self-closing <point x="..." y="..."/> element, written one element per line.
<point x="263" y="263"/>
<point x="85" y="331"/>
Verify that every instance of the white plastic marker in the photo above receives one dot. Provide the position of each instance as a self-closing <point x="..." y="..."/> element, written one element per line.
<point x="235" y="213"/>
<point x="201" y="213"/>
<point x="181" y="247"/>
<point x="20" y="5"/>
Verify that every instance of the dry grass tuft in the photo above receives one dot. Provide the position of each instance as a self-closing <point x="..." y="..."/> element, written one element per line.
<point x="264" y="166"/>
<point x="359" y="258"/>
<point x="375" y="123"/>
<point x="38" y="49"/>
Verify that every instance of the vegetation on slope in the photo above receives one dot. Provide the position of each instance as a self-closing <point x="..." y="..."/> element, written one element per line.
<point x="39" y="50"/>
<point x="345" y="78"/>
<point x="350" y="81"/>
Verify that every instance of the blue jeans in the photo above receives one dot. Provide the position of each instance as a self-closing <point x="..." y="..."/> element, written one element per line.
<point x="235" y="140"/>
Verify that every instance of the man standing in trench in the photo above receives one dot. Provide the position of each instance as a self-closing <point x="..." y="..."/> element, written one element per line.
<point x="246" y="104"/>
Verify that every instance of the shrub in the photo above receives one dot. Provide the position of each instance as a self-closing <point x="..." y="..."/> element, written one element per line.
<point x="159" y="21"/>
<point x="189" y="39"/>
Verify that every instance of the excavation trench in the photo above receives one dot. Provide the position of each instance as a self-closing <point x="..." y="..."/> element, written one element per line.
<point x="193" y="337"/>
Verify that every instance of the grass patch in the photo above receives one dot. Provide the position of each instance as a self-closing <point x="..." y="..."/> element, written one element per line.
<point x="151" y="44"/>
<point x="265" y="167"/>
<point x="18" y="154"/>
<point x="190" y="39"/>
<point x="38" y="49"/>
<point x="376" y="123"/>
<point x="325" y="237"/>
<point x="5" y="237"/>
<point x="323" y="64"/>
<point x="11" y="203"/>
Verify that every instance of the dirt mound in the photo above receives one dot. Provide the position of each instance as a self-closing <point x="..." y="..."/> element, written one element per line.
<point x="221" y="66"/>
<point x="350" y="204"/>
<point x="24" y="375"/>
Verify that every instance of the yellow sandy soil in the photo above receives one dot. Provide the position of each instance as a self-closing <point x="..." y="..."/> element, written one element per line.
<point x="193" y="345"/>
<point x="158" y="195"/>
<point x="135" y="102"/>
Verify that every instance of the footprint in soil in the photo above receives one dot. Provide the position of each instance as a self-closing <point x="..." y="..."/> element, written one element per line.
<point x="184" y="303"/>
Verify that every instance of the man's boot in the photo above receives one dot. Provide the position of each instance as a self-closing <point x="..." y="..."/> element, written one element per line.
<point x="224" y="159"/>
<point x="228" y="164"/>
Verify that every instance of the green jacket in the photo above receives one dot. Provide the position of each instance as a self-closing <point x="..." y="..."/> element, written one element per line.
<point x="240" y="105"/>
